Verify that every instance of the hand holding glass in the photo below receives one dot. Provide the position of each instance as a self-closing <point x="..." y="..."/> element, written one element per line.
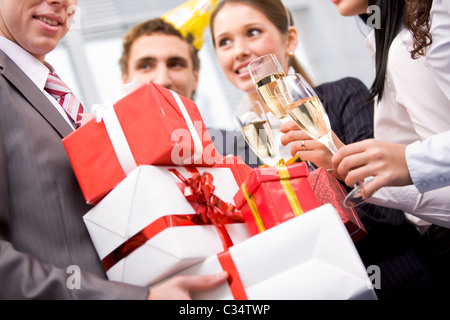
<point x="305" y="108"/>
<point x="257" y="132"/>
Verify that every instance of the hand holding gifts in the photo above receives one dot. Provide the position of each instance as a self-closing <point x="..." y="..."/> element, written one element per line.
<point x="160" y="220"/>
<point x="308" y="257"/>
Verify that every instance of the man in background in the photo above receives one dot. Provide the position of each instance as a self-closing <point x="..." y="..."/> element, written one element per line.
<point x="156" y="51"/>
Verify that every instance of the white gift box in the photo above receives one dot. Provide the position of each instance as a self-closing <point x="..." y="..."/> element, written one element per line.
<point x="309" y="257"/>
<point x="146" y="194"/>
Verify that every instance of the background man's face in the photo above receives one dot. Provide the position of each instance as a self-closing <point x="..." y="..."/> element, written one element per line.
<point x="164" y="60"/>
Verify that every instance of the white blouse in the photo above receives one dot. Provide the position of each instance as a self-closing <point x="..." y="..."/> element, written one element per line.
<point x="413" y="108"/>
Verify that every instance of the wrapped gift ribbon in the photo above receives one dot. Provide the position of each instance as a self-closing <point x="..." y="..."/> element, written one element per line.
<point x="107" y="114"/>
<point x="209" y="210"/>
<point x="199" y="191"/>
<point x="284" y="175"/>
<point x="234" y="280"/>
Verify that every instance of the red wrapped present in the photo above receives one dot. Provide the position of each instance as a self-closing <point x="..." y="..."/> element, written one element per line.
<point x="160" y="220"/>
<point x="150" y="126"/>
<point x="327" y="189"/>
<point x="272" y="195"/>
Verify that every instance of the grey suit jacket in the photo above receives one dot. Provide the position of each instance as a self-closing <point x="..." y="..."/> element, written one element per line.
<point x="41" y="206"/>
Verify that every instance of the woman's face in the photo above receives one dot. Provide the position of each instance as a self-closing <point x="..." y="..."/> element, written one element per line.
<point x="242" y="34"/>
<point x="349" y="8"/>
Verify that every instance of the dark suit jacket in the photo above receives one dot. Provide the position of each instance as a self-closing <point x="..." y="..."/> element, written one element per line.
<point x="41" y="206"/>
<point x="392" y="243"/>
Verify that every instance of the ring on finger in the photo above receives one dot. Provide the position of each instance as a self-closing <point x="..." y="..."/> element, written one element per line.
<point x="302" y="145"/>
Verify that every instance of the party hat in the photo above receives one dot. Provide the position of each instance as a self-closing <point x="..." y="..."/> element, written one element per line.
<point x="191" y="19"/>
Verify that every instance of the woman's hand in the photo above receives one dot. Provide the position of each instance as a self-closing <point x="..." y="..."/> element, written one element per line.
<point x="306" y="148"/>
<point x="383" y="160"/>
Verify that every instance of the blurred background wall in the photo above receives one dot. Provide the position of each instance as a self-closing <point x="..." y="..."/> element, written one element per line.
<point x="331" y="47"/>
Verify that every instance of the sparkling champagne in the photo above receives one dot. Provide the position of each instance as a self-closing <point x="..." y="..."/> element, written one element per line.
<point x="266" y="87"/>
<point x="310" y="115"/>
<point x="259" y="138"/>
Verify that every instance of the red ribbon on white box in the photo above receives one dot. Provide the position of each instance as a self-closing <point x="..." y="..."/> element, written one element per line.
<point x="234" y="279"/>
<point x="209" y="210"/>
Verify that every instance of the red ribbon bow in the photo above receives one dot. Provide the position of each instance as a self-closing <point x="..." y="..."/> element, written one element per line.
<point x="199" y="191"/>
<point x="209" y="209"/>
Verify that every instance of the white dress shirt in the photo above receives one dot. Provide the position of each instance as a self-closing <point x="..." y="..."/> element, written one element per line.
<point x="429" y="160"/>
<point x="33" y="68"/>
<point x="413" y="108"/>
<point x="438" y="55"/>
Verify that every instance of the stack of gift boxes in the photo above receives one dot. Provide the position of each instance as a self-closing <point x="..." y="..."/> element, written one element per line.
<point x="164" y="203"/>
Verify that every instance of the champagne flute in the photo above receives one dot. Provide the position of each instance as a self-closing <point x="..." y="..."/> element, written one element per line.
<point x="257" y="131"/>
<point x="306" y="109"/>
<point x="265" y="71"/>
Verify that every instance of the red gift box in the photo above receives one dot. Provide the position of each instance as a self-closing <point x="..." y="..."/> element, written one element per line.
<point x="272" y="195"/>
<point x="327" y="189"/>
<point x="151" y="126"/>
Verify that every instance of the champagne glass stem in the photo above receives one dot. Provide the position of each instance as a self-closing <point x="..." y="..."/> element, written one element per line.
<point x="327" y="140"/>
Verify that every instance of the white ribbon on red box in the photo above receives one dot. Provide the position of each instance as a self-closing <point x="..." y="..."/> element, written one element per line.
<point x="120" y="143"/>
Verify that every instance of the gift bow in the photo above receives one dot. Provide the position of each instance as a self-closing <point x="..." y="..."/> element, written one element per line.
<point x="199" y="191"/>
<point x="209" y="209"/>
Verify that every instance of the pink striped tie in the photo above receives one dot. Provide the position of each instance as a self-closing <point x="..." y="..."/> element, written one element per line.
<point x="58" y="90"/>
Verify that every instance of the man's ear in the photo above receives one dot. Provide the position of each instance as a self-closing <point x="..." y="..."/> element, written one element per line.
<point x="196" y="78"/>
<point x="124" y="79"/>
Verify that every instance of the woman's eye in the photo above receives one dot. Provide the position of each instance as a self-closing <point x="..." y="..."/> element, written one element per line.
<point x="224" y="42"/>
<point x="253" y="32"/>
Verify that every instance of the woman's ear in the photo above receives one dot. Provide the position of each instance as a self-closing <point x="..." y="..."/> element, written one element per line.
<point x="292" y="39"/>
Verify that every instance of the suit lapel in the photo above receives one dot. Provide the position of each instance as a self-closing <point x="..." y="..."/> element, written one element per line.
<point x="34" y="96"/>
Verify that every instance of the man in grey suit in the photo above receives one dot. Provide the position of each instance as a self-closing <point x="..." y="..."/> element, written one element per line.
<point x="43" y="241"/>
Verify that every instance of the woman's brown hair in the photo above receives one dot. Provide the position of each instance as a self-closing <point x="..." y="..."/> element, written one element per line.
<point x="418" y="22"/>
<point x="276" y="13"/>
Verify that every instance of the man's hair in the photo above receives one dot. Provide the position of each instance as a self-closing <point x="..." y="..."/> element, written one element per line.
<point x="149" y="27"/>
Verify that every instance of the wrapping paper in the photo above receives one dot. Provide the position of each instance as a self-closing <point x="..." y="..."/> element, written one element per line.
<point x="152" y="198"/>
<point x="328" y="190"/>
<point x="272" y="195"/>
<point x="309" y="257"/>
<point x="150" y="126"/>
